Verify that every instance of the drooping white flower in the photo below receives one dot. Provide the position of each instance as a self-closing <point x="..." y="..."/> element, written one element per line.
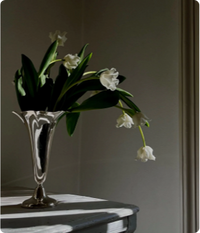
<point x="139" y="119"/>
<point x="71" y="61"/>
<point x="145" y="153"/>
<point x="58" y="36"/>
<point x="109" y="79"/>
<point x="124" y="120"/>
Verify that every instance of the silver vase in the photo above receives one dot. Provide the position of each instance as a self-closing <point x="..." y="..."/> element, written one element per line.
<point x="41" y="126"/>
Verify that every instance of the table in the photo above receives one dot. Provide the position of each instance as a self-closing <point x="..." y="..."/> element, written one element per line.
<point x="74" y="213"/>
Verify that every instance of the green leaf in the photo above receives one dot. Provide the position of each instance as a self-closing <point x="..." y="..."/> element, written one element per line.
<point x="105" y="99"/>
<point x="101" y="71"/>
<point x="130" y="112"/>
<point x="79" y="90"/>
<point x="44" y="95"/>
<point x="71" y="121"/>
<point x="19" y="96"/>
<point x="75" y="76"/>
<point x="68" y="101"/>
<point x="89" y="85"/>
<point x="47" y="71"/>
<point x="121" y="78"/>
<point x="82" y="52"/>
<point x="129" y="103"/>
<point x="29" y="76"/>
<point x="48" y="57"/>
<point x="123" y="92"/>
<point x="59" y="83"/>
<point x="20" y="87"/>
<point x="43" y="79"/>
<point x="24" y="101"/>
<point x="78" y="72"/>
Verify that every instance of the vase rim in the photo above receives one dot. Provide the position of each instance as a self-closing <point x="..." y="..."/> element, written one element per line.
<point x="36" y="111"/>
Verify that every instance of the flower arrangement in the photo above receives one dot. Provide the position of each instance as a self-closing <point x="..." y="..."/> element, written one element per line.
<point x="37" y="91"/>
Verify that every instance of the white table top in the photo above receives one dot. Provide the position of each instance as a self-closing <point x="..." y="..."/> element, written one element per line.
<point x="72" y="213"/>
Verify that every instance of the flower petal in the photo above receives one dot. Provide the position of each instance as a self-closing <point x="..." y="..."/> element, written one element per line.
<point x="139" y="119"/>
<point x="71" y="61"/>
<point x="145" y="153"/>
<point x="58" y="36"/>
<point x="109" y="79"/>
<point x="124" y="120"/>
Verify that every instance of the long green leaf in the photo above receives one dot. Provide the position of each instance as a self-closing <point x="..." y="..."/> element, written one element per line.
<point x="71" y="121"/>
<point x="20" y="87"/>
<point x="29" y="75"/>
<point x="59" y="83"/>
<point x="124" y="92"/>
<point x="49" y="55"/>
<point x="25" y="102"/>
<point x="89" y="85"/>
<point x="105" y="99"/>
<point x="77" y="73"/>
<point x="44" y="95"/>
<point x="19" y="96"/>
<point x="68" y="101"/>
<point x="82" y="52"/>
<point x="75" y="76"/>
<point x="129" y="103"/>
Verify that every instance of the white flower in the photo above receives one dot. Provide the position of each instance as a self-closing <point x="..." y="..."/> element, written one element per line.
<point x="124" y="120"/>
<point x="109" y="79"/>
<point x="58" y="36"/>
<point x="145" y="153"/>
<point x="139" y="119"/>
<point x="71" y="61"/>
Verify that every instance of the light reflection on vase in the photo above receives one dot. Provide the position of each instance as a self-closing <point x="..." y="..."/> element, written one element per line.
<point x="41" y="126"/>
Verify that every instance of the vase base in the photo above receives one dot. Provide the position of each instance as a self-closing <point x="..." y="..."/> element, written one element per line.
<point x="36" y="203"/>
<point x="39" y="199"/>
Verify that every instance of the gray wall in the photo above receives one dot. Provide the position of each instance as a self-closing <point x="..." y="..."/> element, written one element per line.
<point x="141" y="40"/>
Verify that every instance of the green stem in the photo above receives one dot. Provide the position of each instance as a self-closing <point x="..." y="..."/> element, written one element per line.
<point x="117" y="106"/>
<point x="80" y="81"/>
<point x="62" y="94"/>
<point x="120" y="103"/>
<point x="143" y="139"/>
<point x="89" y="72"/>
<point x="130" y="112"/>
<point x="55" y="61"/>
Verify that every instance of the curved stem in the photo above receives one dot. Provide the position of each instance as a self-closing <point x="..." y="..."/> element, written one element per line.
<point x="78" y="82"/>
<point x="89" y="72"/>
<point x="55" y="61"/>
<point x="120" y="103"/>
<point x="143" y="139"/>
<point x="130" y="112"/>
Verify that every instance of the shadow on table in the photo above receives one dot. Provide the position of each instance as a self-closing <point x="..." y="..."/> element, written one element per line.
<point x="69" y="216"/>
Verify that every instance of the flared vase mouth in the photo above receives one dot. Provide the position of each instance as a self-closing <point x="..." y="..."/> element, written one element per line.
<point x="37" y="115"/>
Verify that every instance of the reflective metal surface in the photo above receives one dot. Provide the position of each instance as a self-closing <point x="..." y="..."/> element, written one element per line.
<point x="41" y="126"/>
<point x="39" y="199"/>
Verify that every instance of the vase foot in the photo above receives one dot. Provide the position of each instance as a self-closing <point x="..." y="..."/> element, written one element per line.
<point x="39" y="199"/>
<point x="36" y="203"/>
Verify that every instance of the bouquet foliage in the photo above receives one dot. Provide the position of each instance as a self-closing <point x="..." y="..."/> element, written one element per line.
<point x="37" y="91"/>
